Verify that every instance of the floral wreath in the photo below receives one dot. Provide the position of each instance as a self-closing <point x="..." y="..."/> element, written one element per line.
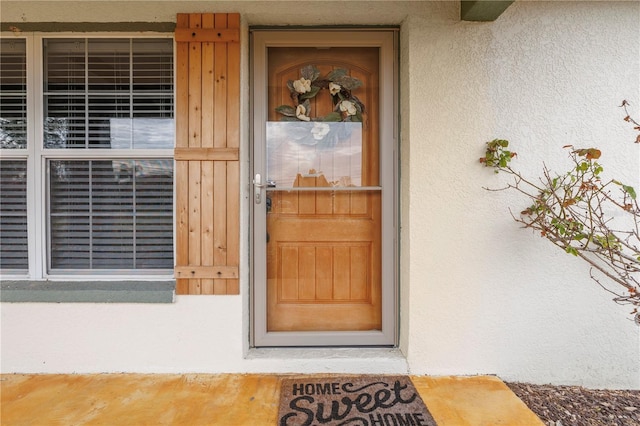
<point x="346" y="107"/>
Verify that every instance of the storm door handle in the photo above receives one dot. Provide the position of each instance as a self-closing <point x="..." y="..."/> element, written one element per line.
<point x="258" y="185"/>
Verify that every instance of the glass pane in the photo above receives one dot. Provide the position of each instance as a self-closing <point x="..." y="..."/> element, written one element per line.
<point x="111" y="215"/>
<point x="153" y="66"/>
<point x="109" y="65"/>
<point x="13" y="94"/>
<point x="118" y="95"/>
<point x="13" y="215"/>
<point x="329" y="153"/>
<point x="64" y="65"/>
<point x="101" y="111"/>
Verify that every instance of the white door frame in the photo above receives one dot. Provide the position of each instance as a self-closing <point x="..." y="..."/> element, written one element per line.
<point x="386" y="41"/>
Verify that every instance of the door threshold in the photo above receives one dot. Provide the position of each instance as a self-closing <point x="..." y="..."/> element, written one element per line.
<point x="327" y="360"/>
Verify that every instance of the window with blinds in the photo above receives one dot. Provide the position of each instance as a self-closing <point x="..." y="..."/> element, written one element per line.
<point x="109" y="213"/>
<point x="108" y="93"/>
<point x="14" y="255"/>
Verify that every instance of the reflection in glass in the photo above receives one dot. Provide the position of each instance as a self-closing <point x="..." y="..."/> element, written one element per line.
<point x="141" y="133"/>
<point x="328" y="151"/>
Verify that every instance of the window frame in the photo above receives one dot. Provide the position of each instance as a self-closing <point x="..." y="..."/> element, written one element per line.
<point x="37" y="157"/>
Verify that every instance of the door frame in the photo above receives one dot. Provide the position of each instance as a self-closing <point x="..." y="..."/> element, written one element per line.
<point x="386" y="41"/>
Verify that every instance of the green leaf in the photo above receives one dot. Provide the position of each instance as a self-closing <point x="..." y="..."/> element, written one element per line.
<point x="607" y="241"/>
<point x="314" y="91"/>
<point x="286" y="110"/>
<point x="629" y="190"/>
<point x="310" y="72"/>
<point x="332" y="117"/>
<point x="336" y="74"/>
<point x="496" y="155"/>
<point x="571" y="250"/>
<point x="349" y="82"/>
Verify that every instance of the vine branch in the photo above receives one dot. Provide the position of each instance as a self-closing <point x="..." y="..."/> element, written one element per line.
<point x="597" y="221"/>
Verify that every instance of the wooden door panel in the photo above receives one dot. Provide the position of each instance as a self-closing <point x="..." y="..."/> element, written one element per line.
<point x="324" y="246"/>
<point x="329" y="272"/>
<point x="321" y="204"/>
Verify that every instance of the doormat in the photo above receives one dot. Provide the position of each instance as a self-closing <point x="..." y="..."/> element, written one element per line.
<point x="352" y="401"/>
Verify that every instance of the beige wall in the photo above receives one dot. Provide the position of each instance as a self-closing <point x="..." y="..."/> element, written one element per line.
<point x="303" y="12"/>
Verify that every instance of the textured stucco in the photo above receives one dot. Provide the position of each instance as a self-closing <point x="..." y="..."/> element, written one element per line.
<point x="490" y="296"/>
<point x="478" y="294"/>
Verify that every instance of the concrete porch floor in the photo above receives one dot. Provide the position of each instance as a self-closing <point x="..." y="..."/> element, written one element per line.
<point x="223" y="399"/>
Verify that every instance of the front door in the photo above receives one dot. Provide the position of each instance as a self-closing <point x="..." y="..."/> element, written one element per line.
<point x="323" y="241"/>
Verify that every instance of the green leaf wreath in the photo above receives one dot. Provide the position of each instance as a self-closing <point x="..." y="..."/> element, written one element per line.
<point x="346" y="106"/>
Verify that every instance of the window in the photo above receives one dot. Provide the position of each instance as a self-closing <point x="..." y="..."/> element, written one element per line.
<point x="87" y="182"/>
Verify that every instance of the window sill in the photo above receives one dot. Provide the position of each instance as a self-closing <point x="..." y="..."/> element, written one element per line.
<point x="87" y="291"/>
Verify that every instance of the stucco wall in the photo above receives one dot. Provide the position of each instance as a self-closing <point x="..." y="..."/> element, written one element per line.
<point x="492" y="297"/>
<point x="478" y="294"/>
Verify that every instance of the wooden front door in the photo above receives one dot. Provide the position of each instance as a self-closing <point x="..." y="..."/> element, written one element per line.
<point x="323" y="248"/>
<point x="321" y="192"/>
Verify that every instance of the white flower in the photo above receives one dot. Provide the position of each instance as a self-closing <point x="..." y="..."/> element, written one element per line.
<point x="301" y="113"/>
<point x="348" y="107"/>
<point x="302" y="86"/>
<point x="334" y="88"/>
<point x="320" y="130"/>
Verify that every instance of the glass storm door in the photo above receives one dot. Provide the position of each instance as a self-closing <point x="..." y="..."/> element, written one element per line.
<point x="323" y="240"/>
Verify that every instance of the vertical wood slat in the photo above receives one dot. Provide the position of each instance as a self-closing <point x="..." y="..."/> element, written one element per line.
<point x="233" y="141"/>
<point x="207" y="217"/>
<point x="195" y="140"/>
<point x="219" y="141"/>
<point x="207" y="190"/>
<point x="324" y="273"/>
<point x="182" y="167"/>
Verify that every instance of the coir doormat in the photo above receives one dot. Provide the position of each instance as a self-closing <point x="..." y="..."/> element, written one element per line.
<point x="352" y="401"/>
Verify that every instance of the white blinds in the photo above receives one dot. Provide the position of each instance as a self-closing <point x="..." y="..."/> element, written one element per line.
<point x="13" y="172"/>
<point x="13" y="216"/>
<point x="89" y="83"/>
<point x="13" y="94"/>
<point x="111" y="214"/>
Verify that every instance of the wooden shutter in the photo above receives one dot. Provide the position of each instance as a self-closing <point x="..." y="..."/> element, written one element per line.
<point x="207" y="153"/>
